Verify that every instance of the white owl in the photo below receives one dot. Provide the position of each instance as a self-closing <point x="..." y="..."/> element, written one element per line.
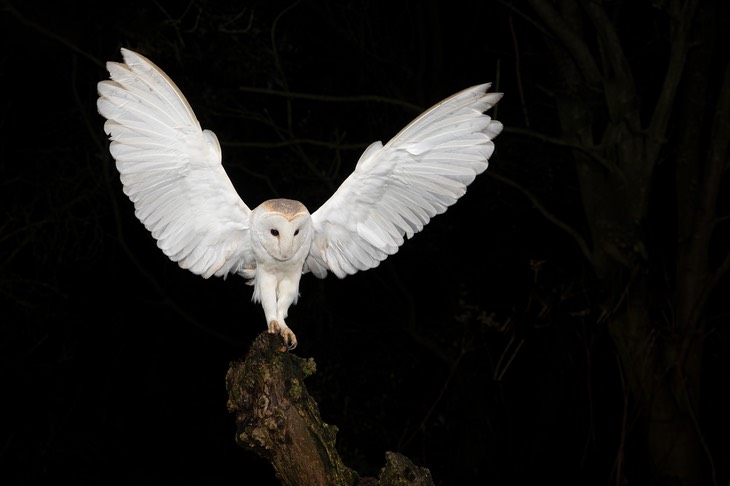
<point x="171" y="170"/>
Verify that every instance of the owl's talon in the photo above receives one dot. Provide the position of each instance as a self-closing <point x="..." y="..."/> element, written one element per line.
<point x="290" y="340"/>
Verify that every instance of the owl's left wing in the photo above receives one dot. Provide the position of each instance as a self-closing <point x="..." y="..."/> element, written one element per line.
<point x="396" y="189"/>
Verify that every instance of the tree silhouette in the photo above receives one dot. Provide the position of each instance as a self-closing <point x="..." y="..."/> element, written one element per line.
<point x="643" y="101"/>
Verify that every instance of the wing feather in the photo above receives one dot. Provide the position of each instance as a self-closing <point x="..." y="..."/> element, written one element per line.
<point x="171" y="170"/>
<point x="396" y="189"/>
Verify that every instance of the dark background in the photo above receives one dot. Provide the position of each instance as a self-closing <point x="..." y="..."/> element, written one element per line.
<point x="467" y="351"/>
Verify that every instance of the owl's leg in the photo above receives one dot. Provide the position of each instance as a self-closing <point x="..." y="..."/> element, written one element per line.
<point x="287" y="293"/>
<point x="268" y="292"/>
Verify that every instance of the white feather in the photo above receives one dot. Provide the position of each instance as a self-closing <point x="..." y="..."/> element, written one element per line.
<point x="171" y="169"/>
<point x="396" y="189"/>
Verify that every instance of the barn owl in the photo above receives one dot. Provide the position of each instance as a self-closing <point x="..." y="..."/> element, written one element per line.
<point x="171" y="170"/>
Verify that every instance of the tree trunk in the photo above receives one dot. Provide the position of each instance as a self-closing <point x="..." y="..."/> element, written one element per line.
<point x="659" y="386"/>
<point x="655" y="324"/>
<point x="277" y="419"/>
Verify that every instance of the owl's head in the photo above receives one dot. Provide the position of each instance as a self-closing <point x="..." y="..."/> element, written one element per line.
<point x="283" y="228"/>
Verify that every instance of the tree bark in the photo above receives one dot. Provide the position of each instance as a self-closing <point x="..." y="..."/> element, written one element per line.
<point x="277" y="419"/>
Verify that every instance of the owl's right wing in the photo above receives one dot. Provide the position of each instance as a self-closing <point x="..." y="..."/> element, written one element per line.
<point x="171" y="170"/>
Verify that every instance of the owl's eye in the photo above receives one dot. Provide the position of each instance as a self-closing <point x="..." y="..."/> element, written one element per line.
<point x="274" y="232"/>
<point x="296" y="232"/>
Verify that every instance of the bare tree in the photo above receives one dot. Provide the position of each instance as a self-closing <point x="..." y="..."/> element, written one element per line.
<point x="622" y="121"/>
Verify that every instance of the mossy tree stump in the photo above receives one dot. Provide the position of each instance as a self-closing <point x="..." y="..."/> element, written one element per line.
<point x="277" y="419"/>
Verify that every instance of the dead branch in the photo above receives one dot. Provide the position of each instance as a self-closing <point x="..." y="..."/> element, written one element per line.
<point x="277" y="419"/>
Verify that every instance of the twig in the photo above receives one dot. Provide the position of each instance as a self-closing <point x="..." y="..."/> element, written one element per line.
<point x="333" y="99"/>
<point x="580" y="241"/>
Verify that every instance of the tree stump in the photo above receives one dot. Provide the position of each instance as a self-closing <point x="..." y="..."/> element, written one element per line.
<point x="277" y="419"/>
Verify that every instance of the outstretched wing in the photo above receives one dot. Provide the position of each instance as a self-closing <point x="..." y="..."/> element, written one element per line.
<point x="171" y="169"/>
<point x="397" y="188"/>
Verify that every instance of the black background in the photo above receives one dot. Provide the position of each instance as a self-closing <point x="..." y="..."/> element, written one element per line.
<point x="114" y="358"/>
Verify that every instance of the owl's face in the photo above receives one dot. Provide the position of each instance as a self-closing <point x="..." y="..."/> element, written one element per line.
<point x="282" y="228"/>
